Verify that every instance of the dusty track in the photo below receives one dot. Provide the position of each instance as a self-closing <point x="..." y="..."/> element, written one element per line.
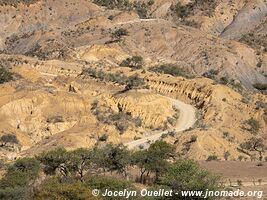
<point x="186" y="120"/>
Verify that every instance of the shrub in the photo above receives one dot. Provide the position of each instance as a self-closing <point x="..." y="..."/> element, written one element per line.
<point x="16" y="2"/>
<point x="54" y="188"/>
<point x="183" y="11"/>
<point x="260" y="86"/>
<point x="103" y="138"/>
<point x="134" y="82"/>
<point x="141" y="9"/>
<point x="188" y="175"/>
<point x="55" y="119"/>
<point x="226" y="155"/>
<point x="118" y="34"/>
<point x="172" y="70"/>
<point x="112" y="4"/>
<point x="212" y="157"/>
<point x="254" y="125"/>
<point x="211" y="74"/>
<point x="5" y="76"/>
<point x="224" y="80"/>
<point x="9" y="138"/>
<point x="135" y="62"/>
<point x="193" y="138"/>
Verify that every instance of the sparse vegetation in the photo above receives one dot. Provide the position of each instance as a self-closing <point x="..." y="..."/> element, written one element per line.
<point x="206" y="7"/>
<point x="5" y="76"/>
<point x="226" y="155"/>
<point x="254" y="144"/>
<point x="118" y="34"/>
<point x="252" y="125"/>
<point x="260" y="86"/>
<point x="9" y="138"/>
<point x="121" y="120"/>
<point x="133" y="81"/>
<point x="72" y="174"/>
<point x="173" y="70"/>
<point x="16" y="2"/>
<point x="55" y="119"/>
<point x="141" y="8"/>
<point x="212" y="158"/>
<point x="135" y="62"/>
<point x="256" y="41"/>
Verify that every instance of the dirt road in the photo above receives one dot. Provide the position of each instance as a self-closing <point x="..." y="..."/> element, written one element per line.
<point x="186" y="120"/>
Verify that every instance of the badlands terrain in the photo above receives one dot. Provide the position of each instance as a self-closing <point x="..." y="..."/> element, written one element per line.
<point x="80" y="73"/>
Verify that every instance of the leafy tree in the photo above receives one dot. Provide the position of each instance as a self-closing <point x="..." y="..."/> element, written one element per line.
<point x="141" y="159"/>
<point x="15" y="184"/>
<point x="254" y="144"/>
<point x="55" y="160"/>
<point x="159" y="152"/>
<point x="118" y="157"/>
<point x="80" y="161"/>
<point x="187" y="175"/>
<point x="154" y="159"/>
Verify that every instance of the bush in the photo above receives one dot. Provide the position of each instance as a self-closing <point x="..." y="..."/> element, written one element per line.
<point x="260" y="86"/>
<point x="112" y="4"/>
<point x="211" y="74"/>
<point x="55" y="119"/>
<point x="134" y="82"/>
<point x="5" y="76"/>
<point x="172" y="70"/>
<point x="212" y="158"/>
<point x="118" y="34"/>
<point x="254" y="125"/>
<point x="130" y="82"/>
<point x="56" y="189"/>
<point x="16" y="2"/>
<point x="135" y="62"/>
<point x="9" y="138"/>
<point x="187" y="175"/>
<point x="103" y="138"/>
<point x="183" y="11"/>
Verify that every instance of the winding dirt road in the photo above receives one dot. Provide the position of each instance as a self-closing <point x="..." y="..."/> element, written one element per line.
<point x="186" y="120"/>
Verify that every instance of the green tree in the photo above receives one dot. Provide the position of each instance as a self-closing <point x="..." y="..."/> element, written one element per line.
<point x="55" y="160"/>
<point x="254" y="144"/>
<point x="159" y="152"/>
<point x="141" y="159"/>
<point x="112" y="158"/>
<point x="80" y="161"/>
<point x="187" y="175"/>
<point x="15" y="183"/>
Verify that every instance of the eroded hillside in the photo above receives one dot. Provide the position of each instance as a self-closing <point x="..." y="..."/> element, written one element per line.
<point x="87" y="73"/>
